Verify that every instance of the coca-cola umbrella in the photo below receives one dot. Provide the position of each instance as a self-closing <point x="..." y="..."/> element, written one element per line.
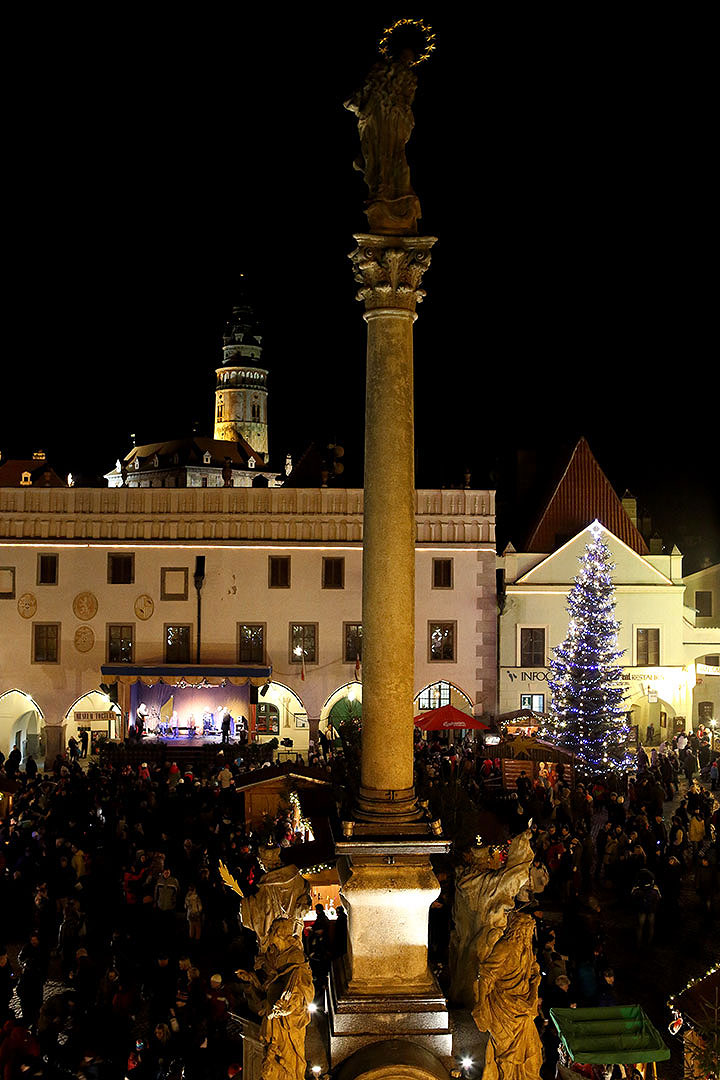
<point x="448" y="718"/>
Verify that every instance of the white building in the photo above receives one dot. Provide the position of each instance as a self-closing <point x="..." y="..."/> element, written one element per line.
<point x="702" y="597"/>
<point x="94" y="579"/>
<point x="663" y="644"/>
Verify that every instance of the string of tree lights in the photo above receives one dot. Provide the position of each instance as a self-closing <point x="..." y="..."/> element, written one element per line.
<point x="588" y="716"/>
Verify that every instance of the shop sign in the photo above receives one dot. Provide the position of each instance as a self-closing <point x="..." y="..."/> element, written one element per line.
<point x="531" y="675"/>
<point x="93" y="717"/>
<point x="707" y="669"/>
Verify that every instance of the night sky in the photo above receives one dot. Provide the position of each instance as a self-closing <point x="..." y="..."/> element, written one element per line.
<point x="566" y="167"/>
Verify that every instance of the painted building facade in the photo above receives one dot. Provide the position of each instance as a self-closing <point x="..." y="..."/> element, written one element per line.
<point x="98" y="577"/>
<point x="666" y="644"/>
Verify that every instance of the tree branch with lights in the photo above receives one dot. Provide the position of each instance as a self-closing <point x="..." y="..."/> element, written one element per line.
<point x="588" y="715"/>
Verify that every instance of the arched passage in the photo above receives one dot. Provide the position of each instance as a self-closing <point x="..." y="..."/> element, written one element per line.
<point x="281" y="714"/>
<point x="21" y="723"/>
<point x="437" y="694"/>
<point x="350" y="692"/>
<point x="95" y="712"/>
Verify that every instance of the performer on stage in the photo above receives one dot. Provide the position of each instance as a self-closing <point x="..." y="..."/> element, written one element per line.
<point x="208" y="727"/>
<point x="226" y="721"/>
<point x="241" y="730"/>
<point x="175" y="724"/>
<point x="141" y="719"/>
<point x="191" y="726"/>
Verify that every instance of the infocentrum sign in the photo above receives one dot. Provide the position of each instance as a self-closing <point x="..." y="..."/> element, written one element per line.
<point x="707" y="669"/>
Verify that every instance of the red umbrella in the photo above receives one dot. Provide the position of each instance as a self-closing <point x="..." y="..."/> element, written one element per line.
<point x="447" y="718"/>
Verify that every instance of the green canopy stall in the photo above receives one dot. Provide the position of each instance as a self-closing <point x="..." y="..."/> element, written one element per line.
<point x="616" y="1035"/>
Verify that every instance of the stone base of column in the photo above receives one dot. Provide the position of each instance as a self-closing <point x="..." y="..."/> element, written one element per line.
<point x="383" y="988"/>
<point x="356" y="1020"/>
<point x="388" y="809"/>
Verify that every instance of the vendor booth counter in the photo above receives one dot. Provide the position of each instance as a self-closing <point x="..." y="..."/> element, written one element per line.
<point x="616" y="1035"/>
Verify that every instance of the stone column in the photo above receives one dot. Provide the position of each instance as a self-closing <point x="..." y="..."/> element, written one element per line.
<point x="383" y="989"/>
<point x="389" y="270"/>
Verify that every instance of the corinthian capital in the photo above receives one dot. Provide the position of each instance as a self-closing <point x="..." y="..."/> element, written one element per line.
<point x="390" y="269"/>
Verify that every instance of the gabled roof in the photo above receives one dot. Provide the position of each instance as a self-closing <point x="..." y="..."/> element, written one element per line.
<point x="41" y="473"/>
<point x="583" y="494"/>
<point x="560" y="566"/>
<point x="190" y="451"/>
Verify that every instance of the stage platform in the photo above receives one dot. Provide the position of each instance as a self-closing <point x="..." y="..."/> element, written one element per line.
<point x="198" y="755"/>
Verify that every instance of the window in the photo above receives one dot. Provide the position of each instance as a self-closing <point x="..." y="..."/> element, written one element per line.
<point x="536" y="702"/>
<point x="121" y="569"/>
<point x="442" y="573"/>
<point x="434" y="696"/>
<point x="352" y="648"/>
<point x="333" y="573"/>
<point x="712" y="660"/>
<point x="648" y="647"/>
<point x="303" y="643"/>
<point x="279" y="572"/>
<point x="7" y="582"/>
<point x="441" y="640"/>
<point x="46" y="643"/>
<point x="703" y="604"/>
<point x="47" y="570"/>
<point x="120" y="644"/>
<point x="177" y="644"/>
<point x="705" y="711"/>
<point x="532" y="646"/>
<point x="174" y="583"/>
<point x="251" y="643"/>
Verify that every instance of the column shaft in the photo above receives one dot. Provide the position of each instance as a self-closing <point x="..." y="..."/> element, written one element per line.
<point x="389" y="558"/>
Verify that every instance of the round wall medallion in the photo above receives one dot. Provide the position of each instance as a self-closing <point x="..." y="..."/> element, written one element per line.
<point x="144" y="606"/>
<point x="85" y="606"/>
<point x="84" y="639"/>
<point x="27" y="605"/>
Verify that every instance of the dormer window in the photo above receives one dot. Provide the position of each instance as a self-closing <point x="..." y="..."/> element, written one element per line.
<point x="207" y="457"/>
<point x="136" y="463"/>
<point x="155" y="461"/>
<point x="25" y="479"/>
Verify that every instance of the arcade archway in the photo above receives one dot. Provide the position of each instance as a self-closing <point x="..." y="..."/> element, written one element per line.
<point x="437" y="694"/>
<point x="21" y="724"/>
<point x="281" y="714"/>
<point x="95" y="713"/>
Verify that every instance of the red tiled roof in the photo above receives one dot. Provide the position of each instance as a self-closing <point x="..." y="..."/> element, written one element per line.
<point x="583" y="494"/>
<point x="42" y="474"/>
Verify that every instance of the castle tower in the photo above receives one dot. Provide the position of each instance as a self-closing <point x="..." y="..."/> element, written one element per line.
<point x="241" y="388"/>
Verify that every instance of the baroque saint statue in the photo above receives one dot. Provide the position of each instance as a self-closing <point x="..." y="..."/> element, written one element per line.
<point x="383" y="106"/>
<point x="280" y="991"/>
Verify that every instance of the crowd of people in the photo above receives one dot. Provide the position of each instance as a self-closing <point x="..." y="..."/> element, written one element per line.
<point x="121" y="941"/>
<point x="629" y="843"/>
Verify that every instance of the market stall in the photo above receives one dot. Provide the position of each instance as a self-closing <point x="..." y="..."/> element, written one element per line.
<point x="615" y="1035"/>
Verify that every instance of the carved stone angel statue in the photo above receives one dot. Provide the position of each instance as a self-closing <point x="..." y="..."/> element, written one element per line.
<point x="280" y="991"/>
<point x="508" y="982"/>
<point x="485" y="891"/>
<point x="282" y="893"/>
<point x="383" y="106"/>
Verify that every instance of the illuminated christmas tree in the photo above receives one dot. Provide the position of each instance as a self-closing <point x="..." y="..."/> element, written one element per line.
<point x="588" y="714"/>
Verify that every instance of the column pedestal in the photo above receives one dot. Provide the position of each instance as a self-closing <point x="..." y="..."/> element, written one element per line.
<point x="383" y="988"/>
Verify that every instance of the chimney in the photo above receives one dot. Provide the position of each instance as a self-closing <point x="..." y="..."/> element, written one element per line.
<point x="656" y="545"/>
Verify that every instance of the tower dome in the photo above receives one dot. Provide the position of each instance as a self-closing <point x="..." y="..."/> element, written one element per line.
<point x="241" y="387"/>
